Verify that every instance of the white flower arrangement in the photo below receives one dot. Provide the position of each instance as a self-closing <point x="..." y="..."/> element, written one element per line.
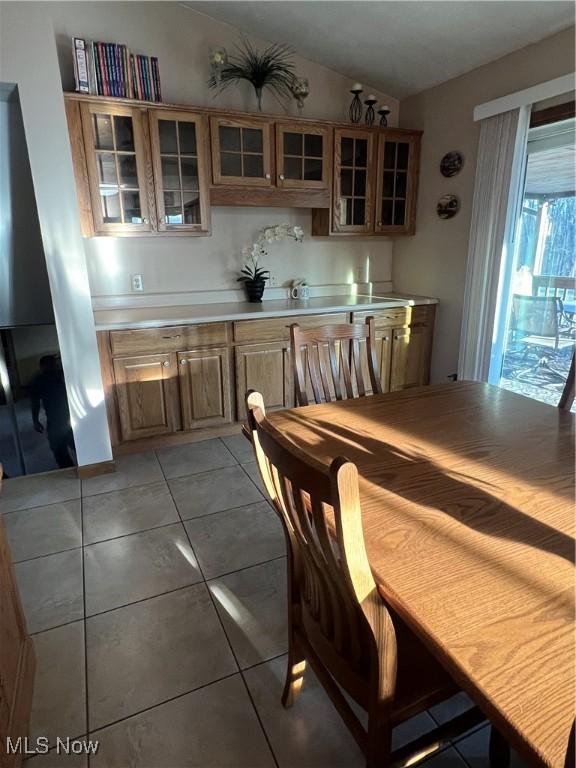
<point x="258" y="249"/>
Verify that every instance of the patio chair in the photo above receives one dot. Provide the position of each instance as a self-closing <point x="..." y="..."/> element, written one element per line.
<point x="536" y="327"/>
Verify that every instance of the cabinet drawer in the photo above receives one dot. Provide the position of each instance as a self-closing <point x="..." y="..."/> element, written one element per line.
<point x="169" y="339"/>
<point x="397" y="316"/>
<point x="279" y="327"/>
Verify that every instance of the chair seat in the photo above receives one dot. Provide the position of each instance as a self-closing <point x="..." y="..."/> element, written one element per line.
<point x="547" y="341"/>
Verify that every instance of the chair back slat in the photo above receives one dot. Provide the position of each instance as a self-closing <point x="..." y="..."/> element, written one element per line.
<point x="341" y="611"/>
<point x="332" y="357"/>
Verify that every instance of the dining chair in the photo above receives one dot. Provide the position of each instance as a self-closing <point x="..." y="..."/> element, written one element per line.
<point x="536" y="327"/>
<point x="567" y="397"/>
<point x="332" y="357"/>
<point x="337" y="620"/>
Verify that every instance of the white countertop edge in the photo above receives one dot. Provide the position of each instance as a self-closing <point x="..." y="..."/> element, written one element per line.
<point x="127" y="319"/>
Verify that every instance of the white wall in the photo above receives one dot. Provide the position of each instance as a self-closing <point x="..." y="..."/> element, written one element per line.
<point x="434" y="261"/>
<point x="181" y="39"/>
<point x="28" y="59"/>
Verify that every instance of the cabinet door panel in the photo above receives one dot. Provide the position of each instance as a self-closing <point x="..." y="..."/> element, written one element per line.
<point x="410" y="364"/>
<point x="397" y="182"/>
<point x="147" y="395"/>
<point x="119" y="169"/>
<point x="353" y="182"/>
<point x="241" y="151"/>
<point x="267" y="369"/>
<point x="179" y="151"/>
<point x="302" y="156"/>
<point x="205" y="387"/>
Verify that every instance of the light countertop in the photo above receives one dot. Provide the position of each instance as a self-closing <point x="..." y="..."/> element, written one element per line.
<point x="153" y="317"/>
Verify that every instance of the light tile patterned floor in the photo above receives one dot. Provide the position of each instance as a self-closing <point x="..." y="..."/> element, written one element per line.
<point x="156" y="596"/>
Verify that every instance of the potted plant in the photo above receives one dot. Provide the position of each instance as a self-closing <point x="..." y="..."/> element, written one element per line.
<point x="252" y="274"/>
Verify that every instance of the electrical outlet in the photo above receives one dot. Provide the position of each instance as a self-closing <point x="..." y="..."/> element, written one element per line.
<point x="137" y="282"/>
<point x="273" y="281"/>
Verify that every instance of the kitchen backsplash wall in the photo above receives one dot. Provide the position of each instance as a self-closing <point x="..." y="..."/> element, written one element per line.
<point x="181" y="39"/>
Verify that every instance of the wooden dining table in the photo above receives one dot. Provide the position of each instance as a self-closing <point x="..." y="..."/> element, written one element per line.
<point x="467" y="495"/>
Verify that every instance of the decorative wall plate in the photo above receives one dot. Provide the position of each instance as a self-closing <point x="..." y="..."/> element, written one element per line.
<point x="448" y="206"/>
<point x="451" y="164"/>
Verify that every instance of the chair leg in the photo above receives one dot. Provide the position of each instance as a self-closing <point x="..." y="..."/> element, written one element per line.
<point x="379" y="744"/>
<point x="499" y="750"/>
<point x="294" y="675"/>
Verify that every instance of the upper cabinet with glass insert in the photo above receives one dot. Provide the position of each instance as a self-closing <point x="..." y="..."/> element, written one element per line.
<point x="302" y="156"/>
<point x="353" y="170"/>
<point x="180" y="172"/>
<point x="241" y="151"/>
<point x="116" y="154"/>
<point x="396" y="182"/>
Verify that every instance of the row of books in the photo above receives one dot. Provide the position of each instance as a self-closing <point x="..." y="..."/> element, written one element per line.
<point x="109" y="69"/>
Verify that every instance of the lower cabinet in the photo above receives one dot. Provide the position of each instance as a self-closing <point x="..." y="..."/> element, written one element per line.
<point x="147" y="395"/>
<point x="205" y="396"/>
<point x="266" y="368"/>
<point x="410" y="358"/>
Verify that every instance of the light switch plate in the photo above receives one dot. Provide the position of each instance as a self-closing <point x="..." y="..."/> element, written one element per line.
<point x="137" y="282"/>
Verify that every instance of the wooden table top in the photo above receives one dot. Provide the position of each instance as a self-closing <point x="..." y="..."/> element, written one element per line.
<point x="468" y="511"/>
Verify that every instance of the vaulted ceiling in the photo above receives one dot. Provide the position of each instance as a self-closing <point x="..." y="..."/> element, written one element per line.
<point x="400" y="48"/>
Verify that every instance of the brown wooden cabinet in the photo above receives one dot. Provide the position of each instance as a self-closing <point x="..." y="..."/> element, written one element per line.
<point x="397" y="183"/>
<point x="353" y="181"/>
<point x="267" y="368"/>
<point x="205" y="393"/>
<point x="17" y="660"/>
<point x="303" y="156"/>
<point x="147" y="395"/>
<point x="179" y="153"/>
<point x="118" y="168"/>
<point x="241" y="151"/>
<point x="410" y="357"/>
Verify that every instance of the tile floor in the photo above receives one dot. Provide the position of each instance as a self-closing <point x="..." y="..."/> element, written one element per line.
<point x="156" y="597"/>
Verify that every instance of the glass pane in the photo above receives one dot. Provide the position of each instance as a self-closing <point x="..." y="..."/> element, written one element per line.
<point x="361" y="152"/>
<point x="293" y="144"/>
<point x="253" y="166"/>
<point x="173" y="207"/>
<point x="187" y="134"/>
<point x="313" y="144"/>
<point x="230" y="164"/>
<point x="106" y="164"/>
<point x="399" y="212"/>
<point x="346" y="182"/>
<point x="127" y="170"/>
<point x="293" y="168"/>
<point x="345" y="210"/>
<point x="170" y="173"/>
<point x="359" y="207"/>
<point x="252" y="140"/>
<point x="189" y="167"/>
<point x="313" y="170"/>
<point x="402" y="157"/>
<point x="401" y="179"/>
<point x="347" y="151"/>
<point x="359" y="183"/>
<point x="124" y="132"/>
<point x="167" y="133"/>
<point x="110" y="206"/>
<point x="103" y="132"/>
<point x="229" y="138"/>
<point x="131" y="203"/>
<point x="191" y="202"/>
<point x="388" y="184"/>
<point x="387" y="208"/>
<point x="389" y="154"/>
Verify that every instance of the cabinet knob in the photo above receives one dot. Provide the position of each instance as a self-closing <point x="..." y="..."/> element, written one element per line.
<point x="282" y="177"/>
<point x="166" y="363"/>
<point x="176" y="336"/>
<point x="379" y="223"/>
<point x="183" y="361"/>
<point x="267" y="175"/>
<point x="145" y="221"/>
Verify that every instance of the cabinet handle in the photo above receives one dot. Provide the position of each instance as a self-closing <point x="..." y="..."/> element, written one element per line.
<point x="267" y="175"/>
<point x="282" y="177"/>
<point x="183" y="362"/>
<point x="145" y="221"/>
<point x="379" y="223"/>
<point x="172" y="337"/>
<point x="166" y="363"/>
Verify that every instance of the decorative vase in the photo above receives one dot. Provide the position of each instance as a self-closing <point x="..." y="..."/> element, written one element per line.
<point x="255" y="290"/>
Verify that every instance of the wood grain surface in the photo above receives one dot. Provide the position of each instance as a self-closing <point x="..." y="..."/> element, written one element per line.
<point x="468" y="512"/>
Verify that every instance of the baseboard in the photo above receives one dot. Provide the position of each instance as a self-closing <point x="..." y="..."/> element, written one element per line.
<point x="93" y="470"/>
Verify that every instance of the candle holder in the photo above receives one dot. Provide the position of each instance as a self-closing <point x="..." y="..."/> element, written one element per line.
<point x="370" y="114"/>
<point x="384" y="112"/>
<point x="355" y="111"/>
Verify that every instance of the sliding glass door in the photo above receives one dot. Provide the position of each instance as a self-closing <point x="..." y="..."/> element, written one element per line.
<point x="535" y="332"/>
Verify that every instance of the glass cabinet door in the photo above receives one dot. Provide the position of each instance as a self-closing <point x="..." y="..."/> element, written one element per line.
<point x="179" y="158"/>
<point x="302" y="156"/>
<point x="241" y="151"/>
<point x="353" y="181"/>
<point x="116" y="158"/>
<point x="396" y="183"/>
